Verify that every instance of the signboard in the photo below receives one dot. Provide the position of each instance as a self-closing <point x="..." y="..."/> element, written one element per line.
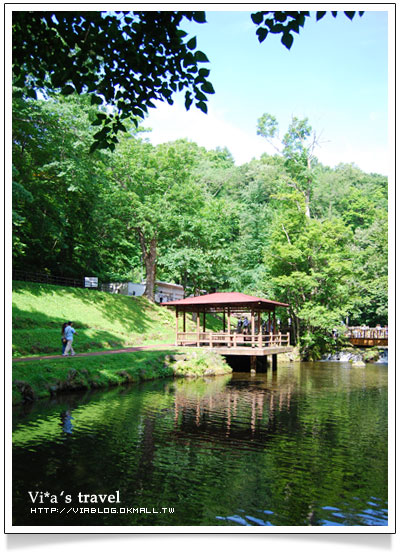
<point x="91" y="282"/>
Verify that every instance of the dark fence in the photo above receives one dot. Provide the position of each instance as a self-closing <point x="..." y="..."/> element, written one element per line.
<point x="45" y="278"/>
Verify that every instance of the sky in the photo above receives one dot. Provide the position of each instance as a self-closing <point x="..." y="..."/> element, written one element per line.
<point x="335" y="74"/>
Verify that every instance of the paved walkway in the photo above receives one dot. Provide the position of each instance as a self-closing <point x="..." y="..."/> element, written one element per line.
<point x="104" y="352"/>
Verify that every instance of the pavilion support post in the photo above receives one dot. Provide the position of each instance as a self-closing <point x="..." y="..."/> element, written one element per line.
<point x="198" y="328"/>
<point x="262" y="364"/>
<point x="204" y="321"/>
<point x="229" y="327"/>
<point x="176" y="326"/>
<point x="184" y="321"/>
<point x="259" y="330"/>
<point x="252" y="328"/>
<point x="224" y="321"/>
<point x="269" y="326"/>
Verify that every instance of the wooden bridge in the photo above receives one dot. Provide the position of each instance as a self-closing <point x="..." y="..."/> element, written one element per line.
<point x="368" y="336"/>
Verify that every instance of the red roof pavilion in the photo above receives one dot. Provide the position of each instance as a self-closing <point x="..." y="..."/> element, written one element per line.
<point x="227" y="303"/>
<point x="225" y="300"/>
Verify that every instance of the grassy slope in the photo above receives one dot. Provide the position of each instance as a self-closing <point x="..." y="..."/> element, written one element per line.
<point x="103" y="321"/>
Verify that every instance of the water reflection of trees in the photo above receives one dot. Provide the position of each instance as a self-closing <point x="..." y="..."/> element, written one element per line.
<point x="291" y="443"/>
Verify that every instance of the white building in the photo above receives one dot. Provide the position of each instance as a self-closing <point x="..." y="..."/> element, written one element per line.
<point x="165" y="291"/>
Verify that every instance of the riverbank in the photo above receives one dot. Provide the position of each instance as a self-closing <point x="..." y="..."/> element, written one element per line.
<point x="35" y="379"/>
<point x="358" y="355"/>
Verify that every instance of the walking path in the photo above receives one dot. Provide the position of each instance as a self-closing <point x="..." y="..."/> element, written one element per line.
<point x="104" y="352"/>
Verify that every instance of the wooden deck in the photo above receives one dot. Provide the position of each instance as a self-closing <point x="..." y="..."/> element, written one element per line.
<point x="252" y="351"/>
<point x="237" y="344"/>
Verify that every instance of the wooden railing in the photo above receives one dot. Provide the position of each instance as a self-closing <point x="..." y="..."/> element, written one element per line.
<point x="212" y="339"/>
<point x="366" y="336"/>
<point x="367" y="332"/>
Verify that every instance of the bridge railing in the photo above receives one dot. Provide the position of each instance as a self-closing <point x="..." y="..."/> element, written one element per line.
<point x="367" y="333"/>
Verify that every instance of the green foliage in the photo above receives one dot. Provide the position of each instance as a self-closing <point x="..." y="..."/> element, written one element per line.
<point x="199" y="364"/>
<point x="286" y="23"/>
<point x="296" y="148"/>
<point x="283" y="226"/>
<point x="370" y="273"/>
<point x="267" y="125"/>
<point x="61" y="185"/>
<point x="125" y="60"/>
<point x="308" y="266"/>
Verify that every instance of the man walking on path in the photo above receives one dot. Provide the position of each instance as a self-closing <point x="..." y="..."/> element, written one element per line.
<point x="69" y="333"/>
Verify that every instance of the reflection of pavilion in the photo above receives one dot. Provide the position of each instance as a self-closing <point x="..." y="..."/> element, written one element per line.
<point x="245" y="409"/>
<point x="260" y="339"/>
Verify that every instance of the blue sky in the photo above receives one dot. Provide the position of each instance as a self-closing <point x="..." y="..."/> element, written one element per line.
<point x="336" y="74"/>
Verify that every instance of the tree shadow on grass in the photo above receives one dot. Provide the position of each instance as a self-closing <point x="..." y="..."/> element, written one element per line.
<point x="48" y="341"/>
<point x="133" y="314"/>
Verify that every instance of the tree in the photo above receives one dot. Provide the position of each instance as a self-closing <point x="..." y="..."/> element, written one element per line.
<point x="259" y="181"/>
<point x="58" y="186"/>
<point x="309" y="265"/>
<point x="153" y="197"/>
<point x="286" y="23"/>
<point x="199" y="254"/>
<point x="126" y="60"/>
<point x="347" y="188"/>
<point x="297" y="147"/>
<point x="20" y="196"/>
<point x="370" y="273"/>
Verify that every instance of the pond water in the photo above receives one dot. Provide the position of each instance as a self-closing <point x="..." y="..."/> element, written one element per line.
<point x="306" y="445"/>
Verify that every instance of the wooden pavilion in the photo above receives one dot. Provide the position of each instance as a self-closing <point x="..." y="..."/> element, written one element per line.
<point x="258" y="341"/>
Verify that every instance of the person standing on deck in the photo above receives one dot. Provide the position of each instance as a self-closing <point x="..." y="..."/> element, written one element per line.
<point x="69" y="333"/>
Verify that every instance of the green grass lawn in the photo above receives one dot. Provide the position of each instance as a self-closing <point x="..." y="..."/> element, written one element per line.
<point x="44" y="378"/>
<point x="103" y="321"/>
<point x="38" y="379"/>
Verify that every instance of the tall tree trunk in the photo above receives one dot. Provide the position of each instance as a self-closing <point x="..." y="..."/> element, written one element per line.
<point x="307" y="199"/>
<point x="149" y="253"/>
<point x="184" y="282"/>
<point x="308" y="192"/>
<point x="297" y="331"/>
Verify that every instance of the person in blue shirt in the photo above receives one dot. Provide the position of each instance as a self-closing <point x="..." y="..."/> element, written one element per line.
<point x="69" y="333"/>
<point x="63" y="339"/>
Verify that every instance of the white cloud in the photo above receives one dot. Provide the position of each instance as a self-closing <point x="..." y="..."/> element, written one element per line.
<point x="208" y="130"/>
<point x="367" y="159"/>
<point x="212" y="130"/>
